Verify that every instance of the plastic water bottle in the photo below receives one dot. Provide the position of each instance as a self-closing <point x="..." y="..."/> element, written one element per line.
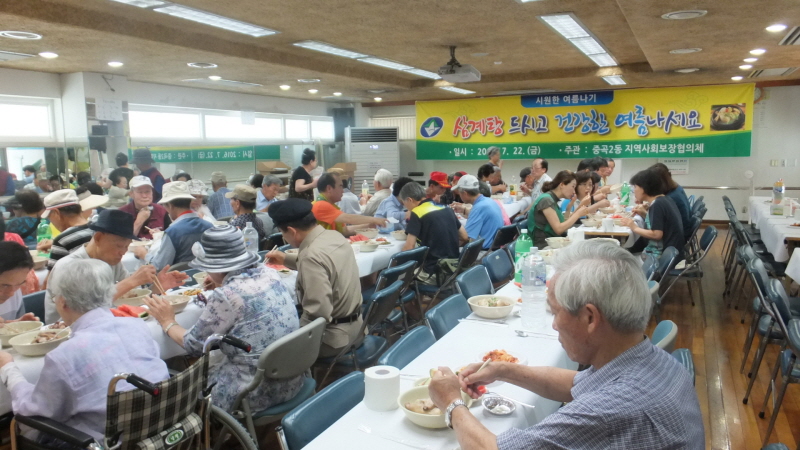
<point x="521" y="248"/>
<point x="250" y="238"/>
<point x="534" y="297"/>
<point x="365" y="188"/>
<point x="625" y="194"/>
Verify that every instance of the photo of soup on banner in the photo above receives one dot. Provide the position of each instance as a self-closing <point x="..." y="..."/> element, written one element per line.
<point x="686" y="122"/>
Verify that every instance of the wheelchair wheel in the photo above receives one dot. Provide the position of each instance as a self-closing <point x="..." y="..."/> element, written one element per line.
<point x="228" y="433"/>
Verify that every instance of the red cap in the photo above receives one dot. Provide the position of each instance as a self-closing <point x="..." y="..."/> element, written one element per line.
<point x="440" y="178"/>
<point x="458" y="175"/>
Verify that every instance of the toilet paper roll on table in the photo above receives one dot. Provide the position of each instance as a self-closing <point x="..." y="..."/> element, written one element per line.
<point x="381" y="388"/>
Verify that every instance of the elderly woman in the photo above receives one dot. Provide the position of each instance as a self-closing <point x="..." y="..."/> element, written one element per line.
<point x="248" y="301"/>
<point x="199" y="191"/>
<point x="545" y="218"/>
<point x="663" y="227"/>
<point x="73" y="384"/>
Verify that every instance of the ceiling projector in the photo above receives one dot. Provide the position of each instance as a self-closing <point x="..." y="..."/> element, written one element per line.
<point x="455" y="72"/>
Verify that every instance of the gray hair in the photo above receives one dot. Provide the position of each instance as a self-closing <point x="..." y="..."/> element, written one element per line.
<point x="491" y="151"/>
<point x="607" y="276"/>
<point x="85" y="284"/>
<point x="269" y="180"/>
<point x="412" y="190"/>
<point x="384" y="177"/>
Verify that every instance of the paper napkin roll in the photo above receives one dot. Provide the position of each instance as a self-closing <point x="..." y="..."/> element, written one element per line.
<point x="381" y="388"/>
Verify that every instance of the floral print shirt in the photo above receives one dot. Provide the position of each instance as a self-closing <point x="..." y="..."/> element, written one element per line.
<point x="253" y="305"/>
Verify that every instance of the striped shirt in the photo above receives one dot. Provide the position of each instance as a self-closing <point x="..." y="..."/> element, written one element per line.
<point x="642" y="399"/>
<point x="68" y="241"/>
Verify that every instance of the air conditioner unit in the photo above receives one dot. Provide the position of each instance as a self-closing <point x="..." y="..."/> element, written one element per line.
<point x="372" y="149"/>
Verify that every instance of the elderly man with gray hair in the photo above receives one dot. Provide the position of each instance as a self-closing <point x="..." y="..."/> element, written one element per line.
<point x="268" y="194"/>
<point x="73" y="384"/>
<point x="383" y="184"/>
<point x="633" y="395"/>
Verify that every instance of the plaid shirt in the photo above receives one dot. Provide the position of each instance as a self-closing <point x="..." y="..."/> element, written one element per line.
<point x="219" y="205"/>
<point x="643" y="399"/>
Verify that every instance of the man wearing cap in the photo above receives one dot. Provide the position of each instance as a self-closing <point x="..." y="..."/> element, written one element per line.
<point x="329" y="216"/>
<point x="382" y="182"/>
<point x="439" y="189"/>
<point x="112" y="236"/>
<point x="243" y="202"/>
<point x="186" y="228"/>
<point x="144" y="161"/>
<point x="198" y="190"/>
<point x="485" y="216"/>
<point x="327" y="274"/>
<point x="63" y="209"/>
<point x="148" y="216"/>
<point x="220" y="206"/>
<point x="268" y="194"/>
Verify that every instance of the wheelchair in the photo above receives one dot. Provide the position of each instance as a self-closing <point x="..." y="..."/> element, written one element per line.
<point x="174" y="414"/>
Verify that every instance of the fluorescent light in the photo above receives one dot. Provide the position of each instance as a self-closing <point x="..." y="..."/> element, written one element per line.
<point x="338" y="94"/>
<point x="776" y="28"/>
<point x="377" y="99"/>
<point x="456" y="90"/>
<point x="115" y="64"/>
<point x="215" y="77"/>
<point x="425" y="73"/>
<point x="201" y="65"/>
<point x="683" y="51"/>
<point x="24" y="35"/>
<point x="285" y="87"/>
<point x="385" y="63"/>
<point x="737" y="78"/>
<point x="48" y="55"/>
<point x="214" y="20"/>
<point x="750" y="60"/>
<point x="758" y="51"/>
<point x="309" y="80"/>
<point x="603" y="60"/>
<point x="588" y="45"/>
<point x="565" y="25"/>
<point x="614" y="80"/>
<point x="312" y="91"/>
<point x="746" y="66"/>
<point x="325" y="48"/>
<point x="528" y="1"/>
<point x="687" y="70"/>
<point x="141" y="3"/>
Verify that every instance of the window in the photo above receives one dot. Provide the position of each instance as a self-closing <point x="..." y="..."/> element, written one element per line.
<point x="27" y="121"/>
<point x="322" y="129"/>
<point x="297" y="129"/>
<point x="231" y="127"/>
<point x="149" y="124"/>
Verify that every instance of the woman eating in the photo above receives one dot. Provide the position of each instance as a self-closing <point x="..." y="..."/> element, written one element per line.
<point x="248" y="301"/>
<point x="302" y="184"/>
<point x="545" y="219"/>
<point x="663" y="227"/>
<point x="584" y="190"/>
<point x="678" y="195"/>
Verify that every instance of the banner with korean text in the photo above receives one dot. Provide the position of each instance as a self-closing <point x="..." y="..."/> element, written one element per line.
<point x="682" y="122"/>
<point x="213" y="154"/>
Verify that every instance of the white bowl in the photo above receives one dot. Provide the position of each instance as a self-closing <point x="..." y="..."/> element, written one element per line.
<point x="200" y="277"/>
<point x="178" y="302"/>
<point x="367" y="248"/>
<point x="557" y="242"/>
<point x="16" y="328"/>
<point x="39" y="262"/>
<point x="591" y="222"/>
<point x="370" y="234"/>
<point x="491" y="312"/>
<point x="23" y="343"/>
<point x="292" y="251"/>
<point x="548" y="255"/>
<point x="399" y="235"/>
<point x="607" y="210"/>
<point x="133" y="297"/>
<point x="424" y="420"/>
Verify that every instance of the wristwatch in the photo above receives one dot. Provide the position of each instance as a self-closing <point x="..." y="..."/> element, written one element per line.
<point x="449" y="413"/>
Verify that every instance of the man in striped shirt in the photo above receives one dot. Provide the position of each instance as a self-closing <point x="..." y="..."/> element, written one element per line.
<point x="63" y="210"/>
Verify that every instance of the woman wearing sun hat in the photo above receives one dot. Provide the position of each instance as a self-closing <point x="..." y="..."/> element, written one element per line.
<point x="248" y="301"/>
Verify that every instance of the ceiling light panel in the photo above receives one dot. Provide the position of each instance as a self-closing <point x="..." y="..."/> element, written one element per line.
<point x="603" y="60"/>
<point x="565" y="25"/>
<point x="386" y="63"/>
<point x="456" y="90"/>
<point x="614" y="80"/>
<point x="206" y="18"/>
<point x="568" y="26"/>
<point x="588" y="45"/>
<point x="425" y="73"/>
<point x="24" y="35"/>
<point x="142" y="3"/>
<point x="329" y="49"/>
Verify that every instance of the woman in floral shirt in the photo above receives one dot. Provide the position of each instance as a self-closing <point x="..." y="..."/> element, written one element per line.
<point x="249" y="302"/>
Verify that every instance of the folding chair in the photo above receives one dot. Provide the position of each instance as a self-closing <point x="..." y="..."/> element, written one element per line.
<point x="34" y="303"/>
<point x="469" y="254"/>
<point x="474" y="281"/>
<point x="411" y="345"/>
<point x="692" y="272"/>
<point x="500" y="267"/>
<point x="504" y="236"/>
<point x="444" y="316"/>
<point x="665" y="335"/>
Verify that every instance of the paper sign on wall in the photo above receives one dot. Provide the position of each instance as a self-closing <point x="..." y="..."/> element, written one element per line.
<point x="676" y="166"/>
<point x="108" y="109"/>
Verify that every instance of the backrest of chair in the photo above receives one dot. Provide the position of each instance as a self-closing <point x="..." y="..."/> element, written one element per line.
<point x="780" y="301"/>
<point x="746" y="253"/>
<point x="411" y="345"/>
<point x="294" y="353"/>
<point x="499" y="265"/>
<point x="666" y="262"/>
<point x="649" y="266"/>
<point x="474" y="281"/>
<point x="444" y="316"/>
<point x="691" y="200"/>
<point x="34" y="303"/>
<point x="708" y="238"/>
<point x="504" y="235"/>
<point x="665" y="335"/>
<point x="760" y="276"/>
<point x="404" y="272"/>
<point x="701" y="213"/>
<point x="696" y="222"/>
<point x="283" y="248"/>
<point x="469" y="254"/>
<point x="319" y="412"/>
<point x="275" y="239"/>
<point x="697" y="205"/>
<point x="382" y="304"/>
<point x="415" y="254"/>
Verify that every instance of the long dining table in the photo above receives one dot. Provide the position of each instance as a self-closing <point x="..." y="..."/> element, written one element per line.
<point x="776" y="231"/>
<point x="362" y="428"/>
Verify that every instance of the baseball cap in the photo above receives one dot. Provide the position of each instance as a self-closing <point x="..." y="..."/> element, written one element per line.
<point x="197" y="187"/>
<point x="59" y="199"/>
<point x="218" y="177"/>
<point x="88" y="201"/>
<point x="440" y="178"/>
<point x="139" y="181"/>
<point x="467" y="182"/>
<point x="242" y="192"/>
<point x="174" y="191"/>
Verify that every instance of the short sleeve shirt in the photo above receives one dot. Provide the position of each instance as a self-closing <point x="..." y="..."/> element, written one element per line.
<point x="326" y="214"/>
<point x="485" y="219"/>
<point x="663" y="215"/>
<point x="301" y="174"/>
<point x="435" y="227"/>
<point x="545" y="202"/>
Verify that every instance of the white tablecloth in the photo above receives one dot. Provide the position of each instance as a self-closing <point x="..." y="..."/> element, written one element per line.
<point x="617" y="229"/>
<point x="774" y="229"/>
<point x="466" y="343"/>
<point x="379" y="259"/>
<point x="793" y="269"/>
<point x="512" y="209"/>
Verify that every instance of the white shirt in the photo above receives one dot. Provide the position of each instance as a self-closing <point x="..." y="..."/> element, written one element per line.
<point x="536" y="190"/>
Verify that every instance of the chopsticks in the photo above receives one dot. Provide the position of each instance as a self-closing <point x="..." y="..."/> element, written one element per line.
<point x="265" y="256"/>
<point x="158" y="285"/>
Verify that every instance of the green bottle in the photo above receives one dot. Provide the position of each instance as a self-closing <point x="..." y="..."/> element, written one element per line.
<point x="625" y="194"/>
<point x="521" y="248"/>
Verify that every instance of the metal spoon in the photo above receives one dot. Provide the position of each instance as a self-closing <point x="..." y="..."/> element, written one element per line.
<point x="522" y="333"/>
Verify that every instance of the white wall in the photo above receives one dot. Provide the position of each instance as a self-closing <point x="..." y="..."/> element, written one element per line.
<point x="29" y="84"/>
